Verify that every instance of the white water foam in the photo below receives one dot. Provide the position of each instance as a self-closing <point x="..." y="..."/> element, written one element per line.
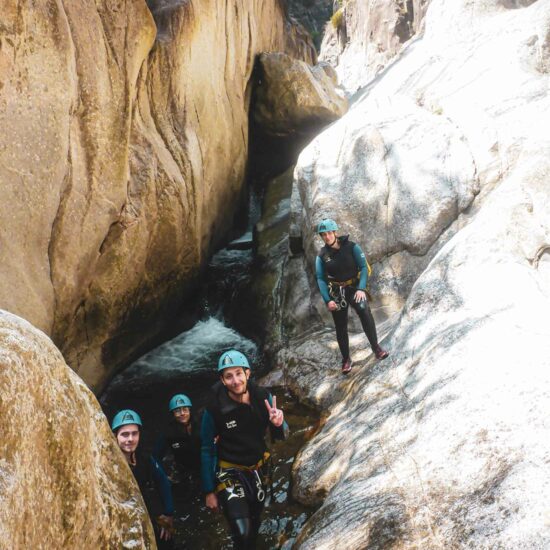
<point x="193" y="351"/>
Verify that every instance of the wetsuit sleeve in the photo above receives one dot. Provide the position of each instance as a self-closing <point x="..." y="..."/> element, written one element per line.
<point x="361" y="261"/>
<point x="159" y="451"/>
<point x="321" y="279"/>
<point x="164" y="487"/>
<point x="277" y="433"/>
<point x="209" y="456"/>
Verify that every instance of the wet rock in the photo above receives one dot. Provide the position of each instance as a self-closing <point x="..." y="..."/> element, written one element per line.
<point x="293" y="97"/>
<point x="64" y="482"/>
<point x="271" y="237"/>
<point x="123" y="160"/>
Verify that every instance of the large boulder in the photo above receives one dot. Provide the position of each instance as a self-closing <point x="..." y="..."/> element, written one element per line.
<point x="64" y="482"/>
<point x="122" y="159"/>
<point x="442" y="167"/>
<point x="293" y="97"/>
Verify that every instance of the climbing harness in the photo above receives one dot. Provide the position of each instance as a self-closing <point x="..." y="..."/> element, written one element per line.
<point x="239" y="480"/>
<point x="337" y="293"/>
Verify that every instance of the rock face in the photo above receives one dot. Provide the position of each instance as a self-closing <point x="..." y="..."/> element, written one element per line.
<point x="369" y="34"/>
<point x="293" y="97"/>
<point x="122" y="159"/>
<point x="64" y="482"/>
<point x="442" y="169"/>
<point x="312" y="14"/>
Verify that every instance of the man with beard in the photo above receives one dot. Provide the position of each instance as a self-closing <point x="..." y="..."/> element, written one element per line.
<point x="152" y="481"/>
<point x="233" y="453"/>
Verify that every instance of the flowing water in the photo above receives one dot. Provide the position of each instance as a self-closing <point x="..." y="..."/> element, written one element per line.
<point x="187" y="364"/>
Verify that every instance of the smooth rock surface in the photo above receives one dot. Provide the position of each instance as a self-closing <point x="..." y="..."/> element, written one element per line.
<point x="401" y="169"/>
<point x="445" y="444"/>
<point x="122" y="159"/>
<point x="295" y="98"/>
<point x="370" y="34"/>
<point x="63" y="480"/>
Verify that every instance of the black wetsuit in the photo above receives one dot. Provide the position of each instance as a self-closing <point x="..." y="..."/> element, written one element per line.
<point x="346" y="263"/>
<point x="156" y="491"/>
<point x="231" y="467"/>
<point x="185" y="447"/>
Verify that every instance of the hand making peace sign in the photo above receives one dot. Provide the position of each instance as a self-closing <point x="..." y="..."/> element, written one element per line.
<point x="275" y="415"/>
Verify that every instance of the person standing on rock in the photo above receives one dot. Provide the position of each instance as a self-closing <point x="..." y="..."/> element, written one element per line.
<point x="342" y="273"/>
<point x="234" y="457"/>
<point x="149" y="474"/>
<point x="181" y="438"/>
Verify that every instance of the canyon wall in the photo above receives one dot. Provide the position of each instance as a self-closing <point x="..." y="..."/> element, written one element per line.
<point x="122" y="159"/>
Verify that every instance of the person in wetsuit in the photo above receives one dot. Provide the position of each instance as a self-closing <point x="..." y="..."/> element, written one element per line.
<point x="234" y="457"/>
<point x="149" y="474"/>
<point x="342" y="274"/>
<point x="181" y="439"/>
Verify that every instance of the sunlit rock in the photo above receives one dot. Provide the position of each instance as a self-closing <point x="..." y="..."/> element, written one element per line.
<point x="369" y="34"/>
<point x="64" y="482"/>
<point x="401" y="170"/>
<point x="293" y="97"/>
<point x="445" y="443"/>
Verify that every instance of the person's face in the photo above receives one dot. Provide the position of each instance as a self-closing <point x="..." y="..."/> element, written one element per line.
<point x="235" y="379"/>
<point x="128" y="438"/>
<point x="329" y="237"/>
<point x="182" y="415"/>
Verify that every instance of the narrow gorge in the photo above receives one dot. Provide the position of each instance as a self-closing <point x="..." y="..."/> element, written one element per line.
<point x="164" y="165"/>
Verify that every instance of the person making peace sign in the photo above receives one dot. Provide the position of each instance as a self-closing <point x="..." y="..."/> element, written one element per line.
<point x="233" y="449"/>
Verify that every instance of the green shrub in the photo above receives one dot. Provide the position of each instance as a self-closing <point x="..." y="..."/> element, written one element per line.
<point x="337" y="18"/>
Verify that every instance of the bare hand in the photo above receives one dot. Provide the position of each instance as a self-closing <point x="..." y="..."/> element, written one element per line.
<point x="360" y="296"/>
<point x="332" y="306"/>
<point x="166" y="524"/>
<point x="212" y="502"/>
<point x="275" y="415"/>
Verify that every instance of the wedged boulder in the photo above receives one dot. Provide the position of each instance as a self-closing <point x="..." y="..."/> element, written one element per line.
<point x="123" y="155"/>
<point x="293" y="97"/>
<point x="64" y="482"/>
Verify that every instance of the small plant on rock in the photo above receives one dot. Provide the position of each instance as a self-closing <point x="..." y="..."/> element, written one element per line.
<point x="337" y="18"/>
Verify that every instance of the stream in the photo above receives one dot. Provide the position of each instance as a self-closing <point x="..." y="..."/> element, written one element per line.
<point x="187" y="364"/>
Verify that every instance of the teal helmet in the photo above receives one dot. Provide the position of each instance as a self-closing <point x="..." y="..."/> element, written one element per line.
<point x="327" y="225"/>
<point x="125" y="417"/>
<point x="179" y="400"/>
<point x="232" y="358"/>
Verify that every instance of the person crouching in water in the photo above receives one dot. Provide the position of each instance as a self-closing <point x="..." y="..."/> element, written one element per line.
<point x="342" y="274"/>
<point x="151" y="478"/>
<point x="181" y="438"/>
<point x="233" y="453"/>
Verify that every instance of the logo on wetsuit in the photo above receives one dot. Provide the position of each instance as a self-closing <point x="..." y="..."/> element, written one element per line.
<point x="175" y="445"/>
<point x="231" y="424"/>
